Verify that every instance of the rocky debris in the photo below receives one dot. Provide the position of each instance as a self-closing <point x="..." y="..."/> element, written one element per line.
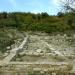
<point x="43" y="49"/>
<point x="13" y="52"/>
<point x="53" y="45"/>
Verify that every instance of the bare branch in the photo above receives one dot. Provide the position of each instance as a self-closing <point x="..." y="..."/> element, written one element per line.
<point x="68" y="5"/>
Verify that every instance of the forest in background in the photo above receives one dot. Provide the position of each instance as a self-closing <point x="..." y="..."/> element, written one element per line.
<point x="38" y="22"/>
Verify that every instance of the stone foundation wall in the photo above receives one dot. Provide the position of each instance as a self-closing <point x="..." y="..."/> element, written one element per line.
<point x="23" y="69"/>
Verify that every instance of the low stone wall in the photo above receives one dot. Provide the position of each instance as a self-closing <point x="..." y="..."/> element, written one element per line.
<point x="21" y="67"/>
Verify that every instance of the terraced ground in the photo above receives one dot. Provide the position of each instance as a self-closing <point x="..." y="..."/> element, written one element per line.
<point x="43" y="53"/>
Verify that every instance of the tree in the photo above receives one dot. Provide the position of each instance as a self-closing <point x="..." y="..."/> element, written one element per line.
<point x="70" y="22"/>
<point x="68" y="5"/>
<point x="5" y="15"/>
<point x="44" y="15"/>
<point x="60" y="14"/>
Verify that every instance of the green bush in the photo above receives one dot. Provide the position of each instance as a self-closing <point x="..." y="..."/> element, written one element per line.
<point x="38" y="22"/>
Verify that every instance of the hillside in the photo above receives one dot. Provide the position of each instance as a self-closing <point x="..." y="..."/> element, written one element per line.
<point x="37" y="44"/>
<point x="38" y="22"/>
